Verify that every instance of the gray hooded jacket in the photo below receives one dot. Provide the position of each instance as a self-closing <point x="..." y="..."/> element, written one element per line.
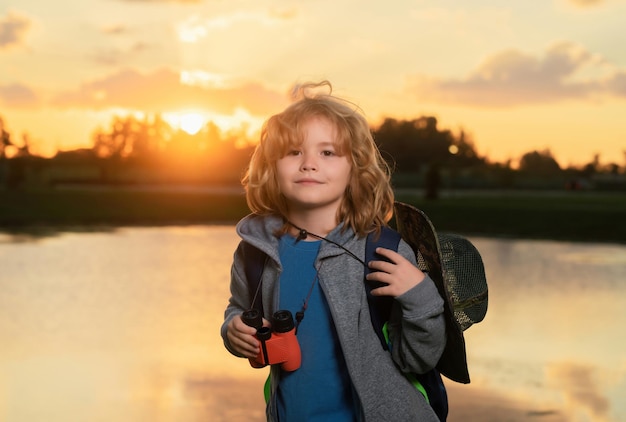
<point x="416" y="327"/>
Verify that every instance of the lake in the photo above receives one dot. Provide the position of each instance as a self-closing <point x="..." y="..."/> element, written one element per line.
<point x="123" y="326"/>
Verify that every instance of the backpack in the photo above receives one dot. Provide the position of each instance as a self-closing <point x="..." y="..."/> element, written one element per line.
<point x="430" y="384"/>
<point x="444" y="258"/>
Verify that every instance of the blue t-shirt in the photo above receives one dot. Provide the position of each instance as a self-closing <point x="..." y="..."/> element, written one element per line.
<point x="320" y="390"/>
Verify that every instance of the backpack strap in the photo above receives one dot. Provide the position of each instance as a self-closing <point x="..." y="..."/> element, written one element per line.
<point x="430" y="383"/>
<point x="254" y="262"/>
<point x="379" y="306"/>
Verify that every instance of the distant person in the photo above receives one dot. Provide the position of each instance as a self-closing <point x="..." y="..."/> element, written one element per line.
<point x="317" y="185"/>
<point x="432" y="181"/>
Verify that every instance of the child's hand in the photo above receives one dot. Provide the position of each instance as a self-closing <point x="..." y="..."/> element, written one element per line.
<point x="241" y="337"/>
<point x="400" y="275"/>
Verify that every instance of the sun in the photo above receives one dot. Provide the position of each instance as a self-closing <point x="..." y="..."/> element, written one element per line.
<point x="239" y="124"/>
<point x="189" y="122"/>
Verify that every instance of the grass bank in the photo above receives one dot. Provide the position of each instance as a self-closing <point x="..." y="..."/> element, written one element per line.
<point x="576" y="216"/>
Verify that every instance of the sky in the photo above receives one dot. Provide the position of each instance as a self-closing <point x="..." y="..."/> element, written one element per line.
<point x="514" y="76"/>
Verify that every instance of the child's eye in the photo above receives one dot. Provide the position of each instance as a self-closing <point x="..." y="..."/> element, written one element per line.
<point x="328" y="153"/>
<point x="294" y="152"/>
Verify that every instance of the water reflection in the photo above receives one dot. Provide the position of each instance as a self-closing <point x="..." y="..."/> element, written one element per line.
<point x="123" y="326"/>
<point x="553" y="333"/>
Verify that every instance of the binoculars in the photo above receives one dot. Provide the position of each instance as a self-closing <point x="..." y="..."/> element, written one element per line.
<point x="279" y="344"/>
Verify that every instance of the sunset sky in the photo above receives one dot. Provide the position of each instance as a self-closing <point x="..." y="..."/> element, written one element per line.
<point x="516" y="76"/>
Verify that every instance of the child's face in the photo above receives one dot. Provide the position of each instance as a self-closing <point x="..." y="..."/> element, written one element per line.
<point x="312" y="176"/>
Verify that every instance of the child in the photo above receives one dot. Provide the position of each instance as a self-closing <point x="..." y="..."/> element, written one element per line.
<point x="317" y="185"/>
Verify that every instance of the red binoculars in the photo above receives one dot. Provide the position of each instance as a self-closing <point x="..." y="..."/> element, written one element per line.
<point x="279" y="344"/>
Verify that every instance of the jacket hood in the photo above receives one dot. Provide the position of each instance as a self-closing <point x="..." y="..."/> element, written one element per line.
<point x="260" y="231"/>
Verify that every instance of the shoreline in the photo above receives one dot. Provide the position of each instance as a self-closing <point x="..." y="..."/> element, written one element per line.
<point x="40" y="231"/>
<point x="539" y="215"/>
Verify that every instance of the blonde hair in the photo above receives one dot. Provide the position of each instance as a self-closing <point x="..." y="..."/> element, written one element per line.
<point x="368" y="201"/>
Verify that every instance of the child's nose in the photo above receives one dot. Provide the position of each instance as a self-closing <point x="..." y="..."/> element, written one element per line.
<point x="309" y="162"/>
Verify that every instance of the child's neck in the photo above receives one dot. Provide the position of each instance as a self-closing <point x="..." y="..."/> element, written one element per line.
<point x="313" y="223"/>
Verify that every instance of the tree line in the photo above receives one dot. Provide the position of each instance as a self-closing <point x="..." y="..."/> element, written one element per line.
<point x="150" y="150"/>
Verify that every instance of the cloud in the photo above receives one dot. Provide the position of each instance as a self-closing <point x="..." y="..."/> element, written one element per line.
<point x="13" y="29"/>
<point x="164" y="1"/>
<point x="196" y="28"/>
<point x="162" y="91"/>
<point x="511" y="78"/>
<point x="115" y="56"/>
<point x="115" y="29"/>
<point x="586" y="3"/>
<point x="18" y="96"/>
<point x="284" y="14"/>
<point x="617" y="84"/>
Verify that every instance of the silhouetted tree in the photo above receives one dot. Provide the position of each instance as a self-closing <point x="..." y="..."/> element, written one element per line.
<point x="412" y="144"/>
<point x="464" y="152"/>
<point x="24" y="150"/>
<point x="150" y="137"/>
<point x="5" y="139"/>
<point x="539" y="163"/>
<point x="504" y="174"/>
<point x="130" y="137"/>
<point x="591" y="168"/>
